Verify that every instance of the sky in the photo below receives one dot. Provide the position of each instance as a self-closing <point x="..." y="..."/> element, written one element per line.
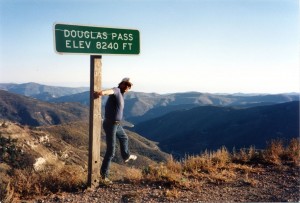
<point x="214" y="46"/>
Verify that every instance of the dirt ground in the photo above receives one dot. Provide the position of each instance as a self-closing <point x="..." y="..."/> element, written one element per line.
<point x="271" y="184"/>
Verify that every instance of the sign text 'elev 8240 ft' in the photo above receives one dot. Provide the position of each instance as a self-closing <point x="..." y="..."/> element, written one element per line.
<point x="95" y="40"/>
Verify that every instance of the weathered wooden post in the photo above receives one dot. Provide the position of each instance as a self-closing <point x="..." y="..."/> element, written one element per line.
<point x="82" y="39"/>
<point x="95" y="123"/>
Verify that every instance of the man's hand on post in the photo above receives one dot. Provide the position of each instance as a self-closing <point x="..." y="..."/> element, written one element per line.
<point x="97" y="94"/>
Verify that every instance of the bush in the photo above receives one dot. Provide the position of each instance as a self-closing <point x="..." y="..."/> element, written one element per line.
<point x="221" y="166"/>
<point x="9" y="152"/>
<point x="292" y="152"/>
<point x="132" y="174"/>
<point x="163" y="175"/>
<point x="28" y="183"/>
<point x="13" y="155"/>
<point x="274" y="152"/>
<point x="247" y="156"/>
<point x="277" y="154"/>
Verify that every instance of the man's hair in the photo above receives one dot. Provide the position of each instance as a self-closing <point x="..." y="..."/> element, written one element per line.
<point x="126" y="83"/>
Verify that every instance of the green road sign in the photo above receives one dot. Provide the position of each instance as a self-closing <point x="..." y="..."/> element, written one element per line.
<point x="95" y="40"/>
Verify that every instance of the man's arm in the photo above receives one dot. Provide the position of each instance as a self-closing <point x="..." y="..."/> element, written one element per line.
<point x="97" y="94"/>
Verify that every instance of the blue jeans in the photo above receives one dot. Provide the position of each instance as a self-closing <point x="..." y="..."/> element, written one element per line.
<point x="113" y="130"/>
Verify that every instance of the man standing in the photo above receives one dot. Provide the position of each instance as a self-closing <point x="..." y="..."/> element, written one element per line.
<point x="113" y="115"/>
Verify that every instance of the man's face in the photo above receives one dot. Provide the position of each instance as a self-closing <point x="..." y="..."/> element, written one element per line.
<point x="125" y="87"/>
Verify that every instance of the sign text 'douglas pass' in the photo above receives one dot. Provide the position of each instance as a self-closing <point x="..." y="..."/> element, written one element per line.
<point x="95" y="40"/>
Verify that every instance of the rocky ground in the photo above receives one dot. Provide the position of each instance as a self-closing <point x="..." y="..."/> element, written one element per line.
<point x="270" y="184"/>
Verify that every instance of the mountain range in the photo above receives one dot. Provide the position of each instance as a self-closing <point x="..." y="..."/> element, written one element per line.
<point x="143" y="106"/>
<point x="182" y="123"/>
<point x="39" y="91"/>
<point x="194" y="130"/>
<point x="138" y="103"/>
<point x="33" y="112"/>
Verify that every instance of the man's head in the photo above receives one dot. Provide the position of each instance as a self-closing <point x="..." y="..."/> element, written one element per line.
<point x="125" y="85"/>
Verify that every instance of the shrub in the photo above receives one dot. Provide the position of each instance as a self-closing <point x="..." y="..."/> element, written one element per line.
<point x="28" y="183"/>
<point x="246" y="156"/>
<point x="292" y="152"/>
<point x="208" y="161"/>
<point x="9" y="152"/>
<point x="161" y="174"/>
<point x="13" y="155"/>
<point x="221" y="157"/>
<point x="196" y="164"/>
<point x="274" y="152"/>
<point x="69" y="178"/>
<point x="174" y="165"/>
<point x="132" y="174"/>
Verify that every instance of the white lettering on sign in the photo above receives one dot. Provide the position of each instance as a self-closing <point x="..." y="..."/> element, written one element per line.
<point x="86" y="34"/>
<point x="84" y="39"/>
<point x="123" y="37"/>
<point x="91" y="39"/>
<point x="77" y="44"/>
<point x="127" y="46"/>
<point x="105" y="45"/>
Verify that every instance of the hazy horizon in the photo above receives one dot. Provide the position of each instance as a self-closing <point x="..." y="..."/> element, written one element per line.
<point x="162" y="93"/>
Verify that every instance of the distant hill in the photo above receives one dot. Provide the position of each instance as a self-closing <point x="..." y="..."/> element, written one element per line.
<point x="41" y="92"/>
<point x="76" y="134"/>
<point x="67" y="144"/>
<point x="159" y="111"/>
<point x="33" y="112"/>
<point x="83" y="98"/>
<point x="210" y="127"/>
<point x="141" y="106"/>
<point x="66" y="122"/>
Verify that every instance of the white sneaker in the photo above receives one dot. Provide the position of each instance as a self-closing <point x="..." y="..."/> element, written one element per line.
<point x="107" y="181"/>
<point x="131" y="157"/>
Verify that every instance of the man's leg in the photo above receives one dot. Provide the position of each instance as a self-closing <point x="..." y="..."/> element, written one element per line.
<point x="110" y="131"/>
<point x="123" y="139"/>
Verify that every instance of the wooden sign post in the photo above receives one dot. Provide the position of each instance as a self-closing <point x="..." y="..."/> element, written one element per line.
<point x="83" y="39"/>
<point x="95" y="123"/>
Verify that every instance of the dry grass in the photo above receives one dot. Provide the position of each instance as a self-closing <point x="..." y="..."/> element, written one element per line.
<point x="211" y="166"/>
<point x="162" y="174"/>
<point x="222" y="166"/>
<point x="216" y="167"/>
<point x="28" y="183"/>
<point x="292" y="152"/>
<point x="276" y="153"/>
<point x="132" y="174"/>
<point x="172" y="194"/>
<point x="246" y="155"/>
